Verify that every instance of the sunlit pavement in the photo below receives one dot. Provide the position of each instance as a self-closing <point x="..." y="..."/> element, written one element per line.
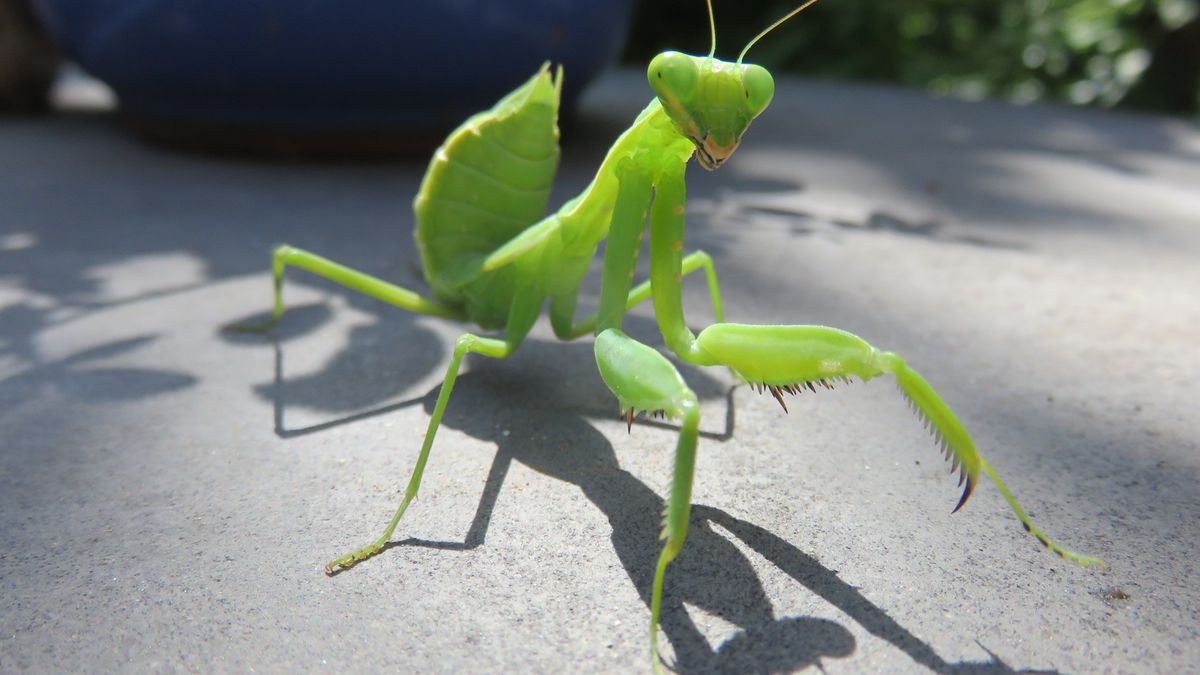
<point x="169" y="494"/>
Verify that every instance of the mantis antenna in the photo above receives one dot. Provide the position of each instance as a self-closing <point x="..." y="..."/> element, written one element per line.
<point x="712" y="30"/>
<point x="768" y="29"/>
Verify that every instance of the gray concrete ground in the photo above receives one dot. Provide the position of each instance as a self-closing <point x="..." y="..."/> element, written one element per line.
<point x="169" y="494"/>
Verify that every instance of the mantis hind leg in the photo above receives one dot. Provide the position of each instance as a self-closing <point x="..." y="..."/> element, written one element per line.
<point x="289" y="256"/>
<point x="523" y="313"/>
<point x="465" y="344"/>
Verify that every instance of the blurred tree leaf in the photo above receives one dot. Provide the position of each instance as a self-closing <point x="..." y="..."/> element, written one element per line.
<point x="1104" y="52"/>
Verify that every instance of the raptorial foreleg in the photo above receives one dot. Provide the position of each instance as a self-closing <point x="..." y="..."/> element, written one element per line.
<point x="644" y="381"/>
<point x="785" y="359"/>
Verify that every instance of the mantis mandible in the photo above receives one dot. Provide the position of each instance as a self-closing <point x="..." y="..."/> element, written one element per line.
<point x="491" y="258"/>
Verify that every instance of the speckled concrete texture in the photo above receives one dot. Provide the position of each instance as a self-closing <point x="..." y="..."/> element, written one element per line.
<point x="169" y="494"/>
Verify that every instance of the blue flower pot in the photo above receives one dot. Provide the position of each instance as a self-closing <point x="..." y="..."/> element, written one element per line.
<point x="327" y="74"/>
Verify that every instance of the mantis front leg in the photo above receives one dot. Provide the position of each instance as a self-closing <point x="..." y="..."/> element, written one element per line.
<point x="642" y="379"/>
<point x="785" y="359"/>
<point x="788" y="358"/>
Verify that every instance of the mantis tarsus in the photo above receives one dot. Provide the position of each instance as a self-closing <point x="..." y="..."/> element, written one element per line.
<point x="486" y="264"/>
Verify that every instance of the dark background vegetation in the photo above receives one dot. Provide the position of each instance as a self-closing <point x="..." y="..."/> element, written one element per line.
<point x="1124" y="53"/>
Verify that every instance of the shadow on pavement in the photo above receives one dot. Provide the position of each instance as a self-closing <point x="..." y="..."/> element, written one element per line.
<point x="711" y="573"/>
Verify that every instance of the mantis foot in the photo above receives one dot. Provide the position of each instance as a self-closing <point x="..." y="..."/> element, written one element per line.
<point x="353" y="558"/>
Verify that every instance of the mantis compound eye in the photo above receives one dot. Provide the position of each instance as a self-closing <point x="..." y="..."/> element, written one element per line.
<point x="759" y="88"/>
<point x="673" y="77"/>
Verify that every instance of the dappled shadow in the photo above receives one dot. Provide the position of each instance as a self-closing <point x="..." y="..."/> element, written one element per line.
<point x="543" y="426"/>
<point x="963" y="149"/>
<point x="83" y="376"/>
<point x="298" y="321"/>
<point x="279" y="394"/>
<point x="789" y="207"/>
<point x="85" y="212"/>
<point x="20" y="323"/>
<point x="228" y="214"/>
<point x="375" y="364"/>
<point x="357" y="370"/>
<point x="960" y="154"/>
<point x="633" y="511"/>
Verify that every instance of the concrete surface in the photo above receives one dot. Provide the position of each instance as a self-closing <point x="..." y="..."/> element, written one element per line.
<point x="169" y="494"/>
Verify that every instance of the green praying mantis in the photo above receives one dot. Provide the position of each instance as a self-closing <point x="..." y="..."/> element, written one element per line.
<point x="491" y="257"/>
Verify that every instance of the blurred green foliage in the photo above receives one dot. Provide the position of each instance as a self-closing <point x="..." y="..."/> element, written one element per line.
<point x="1143" y="53"/>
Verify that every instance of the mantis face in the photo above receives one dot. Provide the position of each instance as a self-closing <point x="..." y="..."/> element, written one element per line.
<point x="710" y="101"/>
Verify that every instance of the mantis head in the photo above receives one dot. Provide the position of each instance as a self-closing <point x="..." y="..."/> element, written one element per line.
<point x="711" y="101"/>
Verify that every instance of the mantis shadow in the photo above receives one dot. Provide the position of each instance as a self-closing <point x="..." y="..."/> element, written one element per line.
<point x="312" y="390"/>
<point x="366" y="371"/>
<point x="87" y="376"/>
<point x="544" y="425"/>
<point x="711" y="574"/>
<point x="753" y="203"/>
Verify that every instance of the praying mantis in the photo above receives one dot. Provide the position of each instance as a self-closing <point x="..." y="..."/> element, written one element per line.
<point x="492" y="258"/>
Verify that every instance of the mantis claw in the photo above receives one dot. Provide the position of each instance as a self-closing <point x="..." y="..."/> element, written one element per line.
<point x="628" y="415"/>
<point x="966" y="492"/>
<point x="629" y="421"/>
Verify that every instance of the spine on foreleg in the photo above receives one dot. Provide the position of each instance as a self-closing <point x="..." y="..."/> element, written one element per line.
<point x="952" y="437"/>
<point x="488" y="181"/>
<point x="960" y="450"/>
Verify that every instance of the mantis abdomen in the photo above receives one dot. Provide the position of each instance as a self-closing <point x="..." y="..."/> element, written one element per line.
<point x="489" y="181"/>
